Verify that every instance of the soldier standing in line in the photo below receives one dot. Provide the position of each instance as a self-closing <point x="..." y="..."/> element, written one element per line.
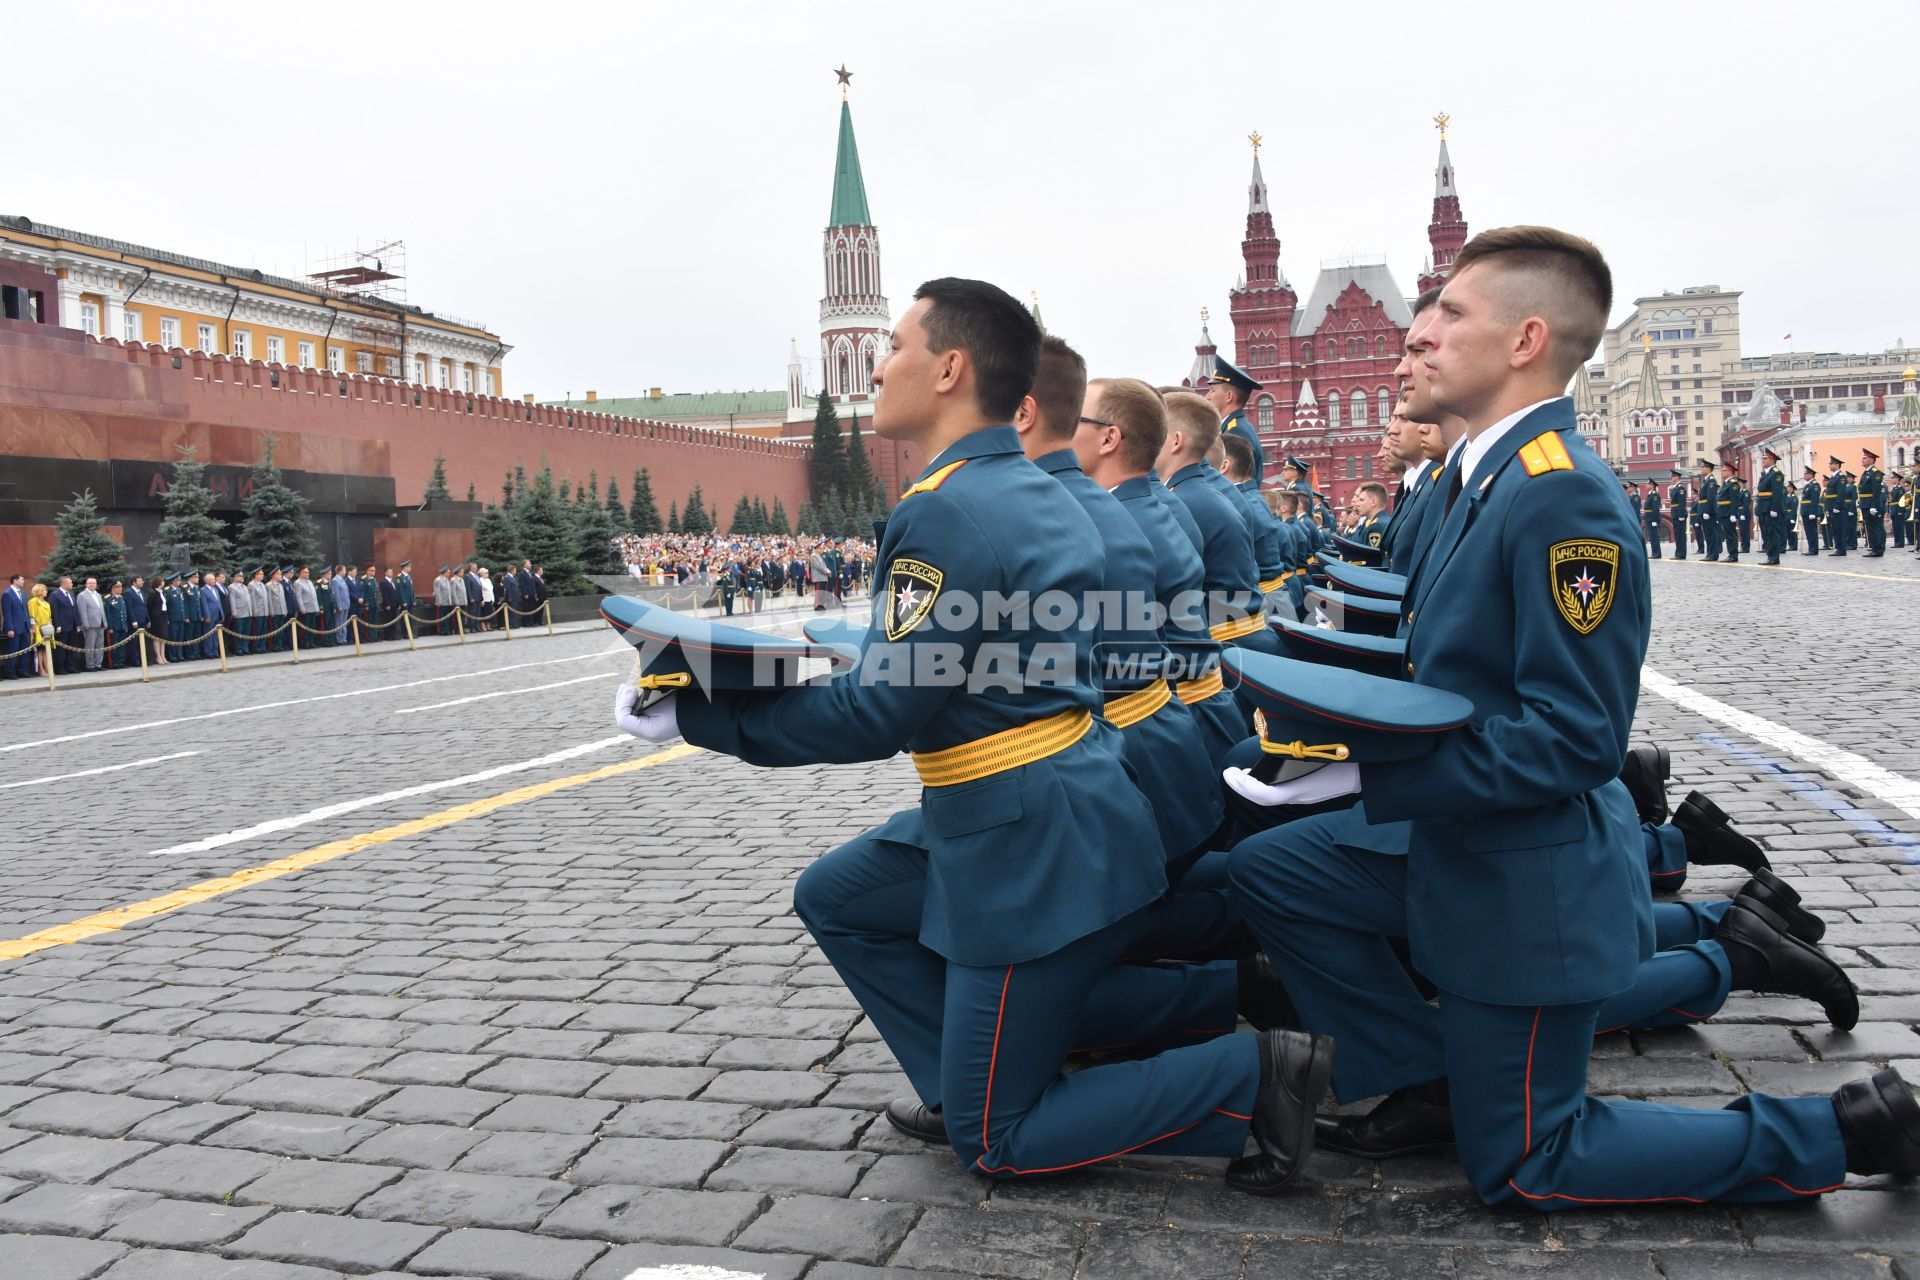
<point x="1899" y="504"/>
<point x="1873" y="503"/>
<point x="1650" y="516"/>
<point x="1811" y="512"/>
<point x="1744" y="515"/>
<point x="1707" y="512"/>
<point x="1677" y="511"/>
<point x="1833" y="496"/>
<point x="1770" y="496"/>
<point x="1728" y="503"/>
<point x="1793" y="514"/>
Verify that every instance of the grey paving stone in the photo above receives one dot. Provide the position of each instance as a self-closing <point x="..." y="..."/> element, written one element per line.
<point x="348" y="1244"/>
<point x="1438" y="1217"/>
<point x="811" y="1128"/>
<point x="660" y="1215"/>
<point x="286" y="1092"/>
<point x="668" y="1118"/>
<point x="169" y="1264"/>
<point x="226" y="1055"/>
<point x="1291" y="1260"/>
<point x="936" y="1177"/>
<point x="1745" y="1264"/>
<point x="506" y="1255"/>
<point x="185" y="1224"/>
<point x="1498" y="1264"/>
<point x="1852" y="1219"/>
<point x="466" y="1199"/>
<point x="1208" y="1203"/>
<point x="768" y="1089"/>
<point x="435" y="1104"/>
<point x="56" y="1257"/>
<point x="58" y="1158"/>
<point x="765" y="1054"/>
<point x="658" y="1049"/>
<point x="191" y="1084"/>
<point x="1022" y="1245"/>
<point x="622" y="1262"/>
<point x="325" y="1186"/>
<point x="188" y="1123"/>
<point x="783" y="1172"/>
<point x="289" y="1133"/>
<point x="850" y="1230"/>
<point x="430" y="1068"/>
<point x="100" y="1075"/>
<point x="194" y="1173"/>
<point x="1115" y="1251"/>
<point x="419" y="1146"/>
<point x="1650" y="1225"/>
<point x="651" y="1162"/>
<point x="544" y="1114"/>
<point x="61" y="1209"/>
<point x="635" y="1084"/>
<point x="542" y="1155"/>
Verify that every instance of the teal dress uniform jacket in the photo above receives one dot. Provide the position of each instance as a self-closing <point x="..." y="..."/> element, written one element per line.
<point x="1023" y="862"/>
<point x="1518" y="816"/>
<point x="1232" y="577"/>
<point x="1236" y="424"/>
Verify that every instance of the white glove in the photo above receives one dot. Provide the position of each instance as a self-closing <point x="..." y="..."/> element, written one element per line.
<point x="1342" y="779"/>
<point x="656" y="723"/>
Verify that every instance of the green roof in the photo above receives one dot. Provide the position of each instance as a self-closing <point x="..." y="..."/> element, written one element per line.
<point x="849" y="188"/>
<point x="681" y="405"/>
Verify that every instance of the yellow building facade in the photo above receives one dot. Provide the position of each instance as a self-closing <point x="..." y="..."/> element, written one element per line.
<point x="113" y="289"/>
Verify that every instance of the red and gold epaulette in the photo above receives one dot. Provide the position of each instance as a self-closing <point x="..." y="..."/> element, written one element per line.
<point x="1544" y="453"/>
<point x="935" y="480"/>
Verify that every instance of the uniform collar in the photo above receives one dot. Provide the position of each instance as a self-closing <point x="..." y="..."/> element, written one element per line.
<point x="975" y="444"/>
<point x="1060" y="460"/>
<point x="1482" y="455"/>
<point x="1187" y="472"/>
<point x="1134" y="486"/>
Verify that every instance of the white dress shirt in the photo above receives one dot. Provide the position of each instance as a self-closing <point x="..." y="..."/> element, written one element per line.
<point x="1478" y="447"/>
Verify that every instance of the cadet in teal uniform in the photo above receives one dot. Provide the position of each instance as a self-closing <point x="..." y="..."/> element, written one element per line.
<point x="1872" y="493"/>
<point x="1024" y="862"/>
<point x="1770" y="503"/>
<point x="1650" y="516"/>
<point x="1521" y="895"/>
<point x="1837" y="497"/>
<point x="1898" y="508"/>
<point x="1228" y="391"/>
<point x="1677" y="511"/>
<point x="1811" y="515"/>
<point x="1235" y="612"/>
<point x="1706" y="505"/>
<point x="1272" y="549"/>
<point x="1728" y="503"/>
<point x="1793" y="514"/>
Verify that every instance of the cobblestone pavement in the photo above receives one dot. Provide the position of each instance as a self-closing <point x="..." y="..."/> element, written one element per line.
<point x="553" y="1018"/>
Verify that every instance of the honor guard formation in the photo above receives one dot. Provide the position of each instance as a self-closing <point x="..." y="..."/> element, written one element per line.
<point x="1194" y="753"/>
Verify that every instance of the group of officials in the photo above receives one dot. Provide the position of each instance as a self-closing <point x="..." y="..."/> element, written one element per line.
<point x="1832" y="513"/>
<point x="1431" y="872"/>
<point x="193" y="614"/>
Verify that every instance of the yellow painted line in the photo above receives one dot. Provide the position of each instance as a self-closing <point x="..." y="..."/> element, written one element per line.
<point x="1794" y="568"/>
<point x="120" y="917"/>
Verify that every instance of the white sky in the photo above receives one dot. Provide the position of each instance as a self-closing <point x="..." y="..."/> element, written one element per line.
<point x="633" y="194"/>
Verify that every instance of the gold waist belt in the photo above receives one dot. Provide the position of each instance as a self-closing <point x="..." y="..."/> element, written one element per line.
<point x="1128" y="709"/>
<point x="1274" y="584"/>
<point x="1192" y="691"/>
<point x="1234" y="629"/>
<point x="999" y="752"/>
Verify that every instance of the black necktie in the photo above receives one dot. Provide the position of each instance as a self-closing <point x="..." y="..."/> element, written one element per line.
<point x="1453" y="486"/>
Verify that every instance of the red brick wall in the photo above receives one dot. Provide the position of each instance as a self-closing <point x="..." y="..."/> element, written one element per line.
<point x="24" y="548"/>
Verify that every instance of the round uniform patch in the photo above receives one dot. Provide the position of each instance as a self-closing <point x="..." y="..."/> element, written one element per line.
<point x="1584" y="573"/>
<point x="912" y="587"/>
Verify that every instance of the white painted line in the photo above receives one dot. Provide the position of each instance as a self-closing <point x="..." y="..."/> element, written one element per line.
<point x="1901" y="792"/>
<point x="319" y="697"/>
<point x="690" y="1271"/>
<point x="504" y="693"/>
<point x="88" y="773"/>
<point x="334" y="810"/>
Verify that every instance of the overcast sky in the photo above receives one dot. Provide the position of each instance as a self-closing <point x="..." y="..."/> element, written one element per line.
<point x="633" y="194"/>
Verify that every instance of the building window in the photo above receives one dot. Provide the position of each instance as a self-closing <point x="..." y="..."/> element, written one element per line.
<point x="306" y="355"/>
<point x="276" y="349"/>
<point x="487" y="385"/>
<point x="206" y="338"/>
<point x="1366" y="467"/>
<point x="337" y="359"/>
<point x="1659" y="444"/>
<point x="1384" y="401"/>
<point x="420" y="370"/>
<point x="1356" y="348"/>
<point x="169" y="331"/>
<point x="466" y="379"/>
<point x="242" y="345"/>
<point x="90" y="319"/>
<point x="392" y="366"/>
<point x="363" y="361"/>
<point x="440" y="374"/>
<point x="1262" y="408"/>
<point x="1706" y="326"/>
<point x="1333" y="408"/>
<point x="1306" y="353"/>
<point x="1358" y="403"/>
<point x="1380" y="346"/>
<point x="130" y="326"/>
<point x="1352" y="467"/>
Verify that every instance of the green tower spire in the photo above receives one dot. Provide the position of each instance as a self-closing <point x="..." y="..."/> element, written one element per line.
<point x="849" y="188"/>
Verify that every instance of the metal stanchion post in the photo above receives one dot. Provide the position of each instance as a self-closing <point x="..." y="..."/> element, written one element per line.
<point x="294" y="625"/>
<point x="406" y="616"/>
<point x="460" y="623"/>
<point x="357" y="651"/>
<point x="51" y="683"/>
<point x="546" y="607"/>
<point x="506" y="619"/>
<point x="220" y="644"/>
<point x="140" y="643"/>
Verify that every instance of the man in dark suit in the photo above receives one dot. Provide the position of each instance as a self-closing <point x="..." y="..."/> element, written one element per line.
<point x="476" y="600"/>
<point x="390" y="604"/>
<point x="66" y="626"/>
<point x="16" y="630"/>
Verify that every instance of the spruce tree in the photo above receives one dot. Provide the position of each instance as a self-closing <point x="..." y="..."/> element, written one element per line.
<point x="833" y="517"/>
<point x="189" y="519"/>
<point x="496" y="541"/>
<point x="673" y="517"/>
<point x="827" y="466"/>
<point x="437" y="482"/>
<point x="859" y="485"/>
<point x="594" y="531"/>
<point x="616" y="508"/>
<point x="808" y="521"/>
<point x="741" y="523"/>
<point x="506" y="491"/>
<point x="761" y="524"/>
<point x="777" y="522"/>
<point x="696" y="520"/>
<point x="566" y="490"/>
<point x="643" y="513"/>
<point x="84" y="549"/>
<point x="276" y="529"/>
<point x="546" y="536"/>
<point x="519" y="481"/>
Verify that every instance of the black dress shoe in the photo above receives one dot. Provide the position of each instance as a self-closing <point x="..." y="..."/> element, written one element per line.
<point x="917" y="1120"/>
<point x="1711" y="838"/>
<point x="1263" y="1001"/>
<point x="1294" y="1066"/>
<point x="1777" y="896"/>
<point x="1645" y="773"/>
<point x="1766" y="957"/>
<point x="1400" y="1125"/>
<point x="1879" y="1123"/>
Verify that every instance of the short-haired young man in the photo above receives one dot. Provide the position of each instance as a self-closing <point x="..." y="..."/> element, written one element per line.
<point x="1023" y="863"/>
<point x="1522" y="892"/>
<point x="1235" y="609"/>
